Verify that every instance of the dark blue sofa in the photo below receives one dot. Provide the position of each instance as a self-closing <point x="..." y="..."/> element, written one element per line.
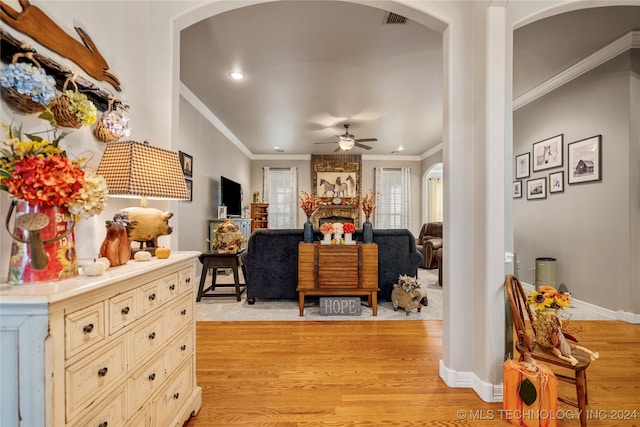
<point x="270" y="263"/>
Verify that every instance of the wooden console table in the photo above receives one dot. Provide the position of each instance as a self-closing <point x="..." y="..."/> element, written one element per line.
<point x="338" y="270"/>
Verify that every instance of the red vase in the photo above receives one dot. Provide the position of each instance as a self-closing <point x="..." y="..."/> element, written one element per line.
<point x="59" y="247"/>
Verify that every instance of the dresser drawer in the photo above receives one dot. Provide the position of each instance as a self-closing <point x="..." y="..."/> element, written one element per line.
<point x="111" y="413"/>
<point x="147" y="379"/>
<point x="148" y="337"/>
<point x="89" y="377"/>
<point x="186" y="280"/>
<point x="142" y="418"/>
<point x="122" y="311"/>
<point x="173" y="396"/>
<point x="169" y="288"/>
<point x="180" y="349"/>
<point x="179" y="314"/>
<point x="149" y="296"/>
<point x="83" y="328"/>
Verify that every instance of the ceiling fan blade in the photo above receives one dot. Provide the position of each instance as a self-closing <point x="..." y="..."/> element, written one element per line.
<point x="365" y="139"/>
<point x="366" y="147"/>
<point x="337" y="149"/>
<point x="327" y="142"/>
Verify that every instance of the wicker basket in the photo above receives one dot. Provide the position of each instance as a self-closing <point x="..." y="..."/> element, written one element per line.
<point x="61" y="108"/>
<point x="101" y="131"/>
<point x="18" y="101"/>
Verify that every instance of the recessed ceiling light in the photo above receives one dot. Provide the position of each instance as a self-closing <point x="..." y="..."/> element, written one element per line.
<point x="236" y="75"/>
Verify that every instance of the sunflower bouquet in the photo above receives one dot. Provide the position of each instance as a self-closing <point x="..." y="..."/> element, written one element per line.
<point x="548" y="297"/>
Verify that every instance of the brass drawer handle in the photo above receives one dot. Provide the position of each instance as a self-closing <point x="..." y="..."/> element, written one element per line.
<point x="88" y="328"/>
<point x="125" y="310"/>
<point x="176" y="396"/>
<point x="152" y="297"/>
<point x="172" y="287"/>
<point x="183" y="347"/>
<point x="103" y="424"/>
<point x="184" y="312"/>
<point x="188" y="280"/>
<point x="152" y="335"/>
<point x="152" y="377"/>
<point x="103" y="372"/>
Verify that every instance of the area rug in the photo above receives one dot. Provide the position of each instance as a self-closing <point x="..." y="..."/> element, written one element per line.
<point x="228" y="309"/>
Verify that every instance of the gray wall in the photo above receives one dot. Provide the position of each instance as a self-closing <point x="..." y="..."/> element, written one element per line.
<point x="213" y="155"/>
<point x="591" y="228"/>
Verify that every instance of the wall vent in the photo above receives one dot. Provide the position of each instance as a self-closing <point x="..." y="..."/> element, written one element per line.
<point x="393" y="18"/>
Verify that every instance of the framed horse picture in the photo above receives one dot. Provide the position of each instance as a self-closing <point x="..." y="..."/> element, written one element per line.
<point x="337" y="184"/>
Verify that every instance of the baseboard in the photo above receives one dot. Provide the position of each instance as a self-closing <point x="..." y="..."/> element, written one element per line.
<point x="625" y="316"/>
<point x="454" y="379"/>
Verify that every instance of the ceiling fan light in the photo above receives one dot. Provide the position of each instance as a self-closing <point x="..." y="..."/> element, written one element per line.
<point x="236" y="75"/>
<point x="346" y="143"/>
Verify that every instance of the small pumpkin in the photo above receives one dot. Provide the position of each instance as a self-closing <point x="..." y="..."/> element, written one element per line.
<point x="94" y="268"/>
<point x="163" y="253"/>
<point x="105" y="261"/>
<point x="142" y="256"/>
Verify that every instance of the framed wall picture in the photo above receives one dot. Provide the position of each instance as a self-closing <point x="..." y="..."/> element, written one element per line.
<point x="186" y="161"/>
<point x="584" y="158"/>
<point x="537" y="188"/>
<point x="222" y="212"/>
<point x="522" y="165"/>
<point x="337" y="184"/>
<point x="190" y="189"/>
<point x="556" y="182"/>
<point x="547" y="154"/>
<point x="517" y="189"/>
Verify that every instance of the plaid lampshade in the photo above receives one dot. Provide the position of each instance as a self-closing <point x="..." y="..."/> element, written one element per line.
<point x="135" y="169"/>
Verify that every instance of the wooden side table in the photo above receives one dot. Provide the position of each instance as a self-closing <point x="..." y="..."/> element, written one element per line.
<point x="340" y="270"/>
<point x="215" y="260"/>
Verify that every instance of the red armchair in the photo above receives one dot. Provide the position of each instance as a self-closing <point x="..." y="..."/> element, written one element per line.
<point x="428" y="242"/>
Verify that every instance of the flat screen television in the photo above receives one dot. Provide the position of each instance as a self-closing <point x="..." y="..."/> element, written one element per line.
<point x="231" y="196"/>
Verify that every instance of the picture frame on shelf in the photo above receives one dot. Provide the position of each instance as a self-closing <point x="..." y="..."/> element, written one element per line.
<point x="537" y="188"/>
<point x="522" y="165"/>
<point x="222" y="212"/>
<point x="186" y="161"/>
<point x="547" y="154"/>
<point x="517" y="189"/>
<point x="189" y="188"/>
<point x="584" y="160"/>
<point x="556" y="182"/>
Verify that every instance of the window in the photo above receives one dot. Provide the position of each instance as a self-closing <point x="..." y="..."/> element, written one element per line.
<point x="280" y="190"/>
<point x="393" y="197"/>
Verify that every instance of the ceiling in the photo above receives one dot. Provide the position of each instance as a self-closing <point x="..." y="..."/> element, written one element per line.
<point x="313" y="66"/>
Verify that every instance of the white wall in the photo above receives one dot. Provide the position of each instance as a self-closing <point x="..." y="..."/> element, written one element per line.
<point x="588" y="227"/>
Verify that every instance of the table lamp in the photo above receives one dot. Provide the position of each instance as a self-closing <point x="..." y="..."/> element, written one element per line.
<point x="134" y="169"/>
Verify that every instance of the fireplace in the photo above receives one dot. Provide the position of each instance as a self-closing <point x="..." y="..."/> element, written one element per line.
<point x="336" y="213"/>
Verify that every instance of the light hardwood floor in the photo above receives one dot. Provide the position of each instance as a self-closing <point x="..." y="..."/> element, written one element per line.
<point x="382" y="373"/>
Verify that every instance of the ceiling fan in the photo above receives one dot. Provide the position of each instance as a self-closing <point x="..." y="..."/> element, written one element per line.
<point x="347" y="141"/>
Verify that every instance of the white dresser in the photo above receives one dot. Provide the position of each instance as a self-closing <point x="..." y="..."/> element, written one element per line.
<point x="112" y="350"/>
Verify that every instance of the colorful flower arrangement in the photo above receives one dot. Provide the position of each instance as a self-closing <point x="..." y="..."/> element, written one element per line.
<point x="548" y="297"/>
<point x="29" y="80"/>
<point x="39" y="172"/>
<point x="308" y="203"/>
<point x="326" y="228"/>
<point x="367" y="203"/>
<point x="117" y="122"/>
<point x="348" y="228"/>
<point x="84" y="110"/>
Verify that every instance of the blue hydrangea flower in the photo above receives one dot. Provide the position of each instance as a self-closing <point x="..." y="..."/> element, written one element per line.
<point x="29" y="80"/>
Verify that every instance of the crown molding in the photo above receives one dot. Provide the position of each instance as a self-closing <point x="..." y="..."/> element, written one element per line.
<point x="631" y="40"/>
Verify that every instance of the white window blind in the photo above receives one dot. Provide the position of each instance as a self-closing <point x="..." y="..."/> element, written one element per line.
<point x="280" y="189"/>
<point x="393" y="197"/>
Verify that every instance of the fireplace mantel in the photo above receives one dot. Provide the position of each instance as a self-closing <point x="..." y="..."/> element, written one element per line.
<point x="349" y="211"/>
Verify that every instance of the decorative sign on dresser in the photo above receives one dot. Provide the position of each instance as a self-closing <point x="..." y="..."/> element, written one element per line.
<point x="338" y="270"/>
<point x="110" y="350"/>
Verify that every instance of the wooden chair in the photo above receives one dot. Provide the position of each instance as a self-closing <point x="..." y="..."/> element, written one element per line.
<point x="525" y="344"/>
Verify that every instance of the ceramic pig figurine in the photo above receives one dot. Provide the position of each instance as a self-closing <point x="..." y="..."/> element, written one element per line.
<point x="407" y="294"/>
<point x="145" y="224"/>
